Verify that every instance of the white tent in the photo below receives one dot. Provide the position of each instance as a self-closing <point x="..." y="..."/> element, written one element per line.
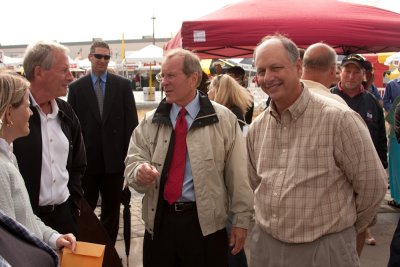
<point x="12" y="60"/>
<point x="393" y="59"/>
<point x="148" y="54"/>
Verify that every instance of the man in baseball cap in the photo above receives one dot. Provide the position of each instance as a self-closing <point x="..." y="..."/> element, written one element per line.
<point x="350" y="88"/>
<point x="355" y="59"/>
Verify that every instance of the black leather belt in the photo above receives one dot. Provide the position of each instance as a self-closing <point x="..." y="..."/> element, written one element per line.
<point x="180" y="206"/>
<point x="48" y="208"/>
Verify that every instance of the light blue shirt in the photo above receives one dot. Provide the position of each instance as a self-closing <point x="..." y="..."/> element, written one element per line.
<point x="192" y="109"/>
<point x="103" y="79"/>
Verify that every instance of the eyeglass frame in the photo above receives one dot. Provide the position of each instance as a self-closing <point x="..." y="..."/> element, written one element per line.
<point x="160" y="76"/>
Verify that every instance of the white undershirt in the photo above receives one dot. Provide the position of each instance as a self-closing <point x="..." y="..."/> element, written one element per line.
<point x="54" y="178"/>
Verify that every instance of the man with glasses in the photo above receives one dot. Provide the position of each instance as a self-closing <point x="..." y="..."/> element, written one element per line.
<point x="188" y="158"/>
<point x="105" y="106"/>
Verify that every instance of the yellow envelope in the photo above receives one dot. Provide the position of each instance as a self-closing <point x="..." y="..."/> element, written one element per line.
<point x="86" y="254"/>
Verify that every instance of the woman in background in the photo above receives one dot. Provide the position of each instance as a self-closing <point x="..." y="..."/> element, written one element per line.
<point x="226" y="91"/>
<point x="14" y="199"/>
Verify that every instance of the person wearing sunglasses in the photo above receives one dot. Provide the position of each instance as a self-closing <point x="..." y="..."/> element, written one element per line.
<point x="105" y="106"/>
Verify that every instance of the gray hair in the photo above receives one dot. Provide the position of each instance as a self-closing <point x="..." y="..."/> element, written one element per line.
<point x="41" y="54"/>
<point x="288" y="44"/>
<point x="191" y="62"/>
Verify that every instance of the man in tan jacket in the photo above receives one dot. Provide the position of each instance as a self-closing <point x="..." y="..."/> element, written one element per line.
<point x="189" y="230"/>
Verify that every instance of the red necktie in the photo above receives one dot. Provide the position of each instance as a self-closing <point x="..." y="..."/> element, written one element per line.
<point x="173" y="186"/>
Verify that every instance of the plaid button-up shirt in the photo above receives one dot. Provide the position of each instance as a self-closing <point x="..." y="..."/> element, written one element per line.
<point x="314" y="170"/>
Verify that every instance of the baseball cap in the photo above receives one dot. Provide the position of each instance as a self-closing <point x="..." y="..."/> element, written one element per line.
<point x="355" y="59"/>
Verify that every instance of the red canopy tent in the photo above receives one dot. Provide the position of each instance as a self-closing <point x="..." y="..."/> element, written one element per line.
<point x="234" y="30"/>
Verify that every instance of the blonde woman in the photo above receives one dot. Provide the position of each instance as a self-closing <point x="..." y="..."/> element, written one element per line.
<point x="14" y="199"/>
<point x="226" y="91"/>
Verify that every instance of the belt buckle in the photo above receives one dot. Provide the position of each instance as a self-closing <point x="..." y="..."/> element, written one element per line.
<point x="179" y="207"/>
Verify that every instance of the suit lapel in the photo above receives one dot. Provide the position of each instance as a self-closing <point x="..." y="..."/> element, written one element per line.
<point x="89" y="94"/>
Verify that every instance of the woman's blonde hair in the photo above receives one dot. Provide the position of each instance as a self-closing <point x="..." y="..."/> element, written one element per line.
<point x="12" y="91"/>
<point x="230" y="93"/>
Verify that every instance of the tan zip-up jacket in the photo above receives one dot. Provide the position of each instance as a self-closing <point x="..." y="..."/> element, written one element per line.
<point x="218" y="161"/>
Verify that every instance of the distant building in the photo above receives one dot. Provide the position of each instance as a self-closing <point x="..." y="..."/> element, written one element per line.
<point x="81" y="49"/>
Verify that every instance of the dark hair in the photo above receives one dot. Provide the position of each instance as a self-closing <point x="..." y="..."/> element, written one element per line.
<point x="98" y="44"/>
<point x="237" y="71"/>
<point x="205" y="82"/>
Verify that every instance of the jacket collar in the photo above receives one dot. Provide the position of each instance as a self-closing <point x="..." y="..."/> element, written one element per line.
<point x="206" y="115"/>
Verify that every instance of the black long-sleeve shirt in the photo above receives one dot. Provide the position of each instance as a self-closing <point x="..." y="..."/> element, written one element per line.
<point x="371" y="111"/>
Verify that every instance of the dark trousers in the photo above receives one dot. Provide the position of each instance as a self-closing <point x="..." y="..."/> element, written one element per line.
<point x="180" y="243"/>
<point x="394" y="260"/>
<point x="62" y="219"/>
<point x="238" y="260"/>
<point x="110" y="188"/>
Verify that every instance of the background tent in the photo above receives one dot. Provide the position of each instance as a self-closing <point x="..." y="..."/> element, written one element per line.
<point x="234" y="30"/>
<point x="148" y="54"/>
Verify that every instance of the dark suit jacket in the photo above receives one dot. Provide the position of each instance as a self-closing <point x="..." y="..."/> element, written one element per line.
<point x="28" y="151"/>
<point x="107" y="138"/>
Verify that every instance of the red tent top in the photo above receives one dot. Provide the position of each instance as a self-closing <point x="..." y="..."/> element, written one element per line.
<point x="234" y="30"/>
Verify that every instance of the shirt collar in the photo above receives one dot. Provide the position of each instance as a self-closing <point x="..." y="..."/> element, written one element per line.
<point x="297" y="108"/>
<point x="54" y="106"/>
<point x="192" y="108"/>
<point x="102" y="77"/>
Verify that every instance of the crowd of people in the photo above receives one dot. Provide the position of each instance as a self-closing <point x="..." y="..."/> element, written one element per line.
<point x="304" y="179"/>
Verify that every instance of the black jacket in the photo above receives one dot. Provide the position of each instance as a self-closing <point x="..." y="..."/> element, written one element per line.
<point x="107" y="137"/>
<point x="28" y="151"/>
<point x="371" y="111"/>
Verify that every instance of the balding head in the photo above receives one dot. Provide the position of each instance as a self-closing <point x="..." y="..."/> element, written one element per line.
<point x="319" y="64"/>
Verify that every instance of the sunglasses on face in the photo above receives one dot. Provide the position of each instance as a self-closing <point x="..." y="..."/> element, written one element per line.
<point x="100" y="56"/>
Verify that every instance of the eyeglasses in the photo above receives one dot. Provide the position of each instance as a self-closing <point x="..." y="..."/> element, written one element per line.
<point x="170" y="76"/>
<point x="100" y="56"/>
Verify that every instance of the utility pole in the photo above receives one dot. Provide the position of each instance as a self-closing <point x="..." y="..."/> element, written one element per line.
<point x="153" y="18"/>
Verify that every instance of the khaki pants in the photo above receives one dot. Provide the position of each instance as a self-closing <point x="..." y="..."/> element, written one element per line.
<point x="333" y="250"/>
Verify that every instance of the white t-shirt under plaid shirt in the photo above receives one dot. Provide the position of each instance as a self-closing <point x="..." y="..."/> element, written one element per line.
<point x="314" y="170"/>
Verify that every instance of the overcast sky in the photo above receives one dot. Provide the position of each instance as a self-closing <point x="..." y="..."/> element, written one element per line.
<point x="27" y="21"/>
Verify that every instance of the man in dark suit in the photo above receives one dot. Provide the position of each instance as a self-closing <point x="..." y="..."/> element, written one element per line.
<point x="105" y="106"/>
<point x="52" y="157"/>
